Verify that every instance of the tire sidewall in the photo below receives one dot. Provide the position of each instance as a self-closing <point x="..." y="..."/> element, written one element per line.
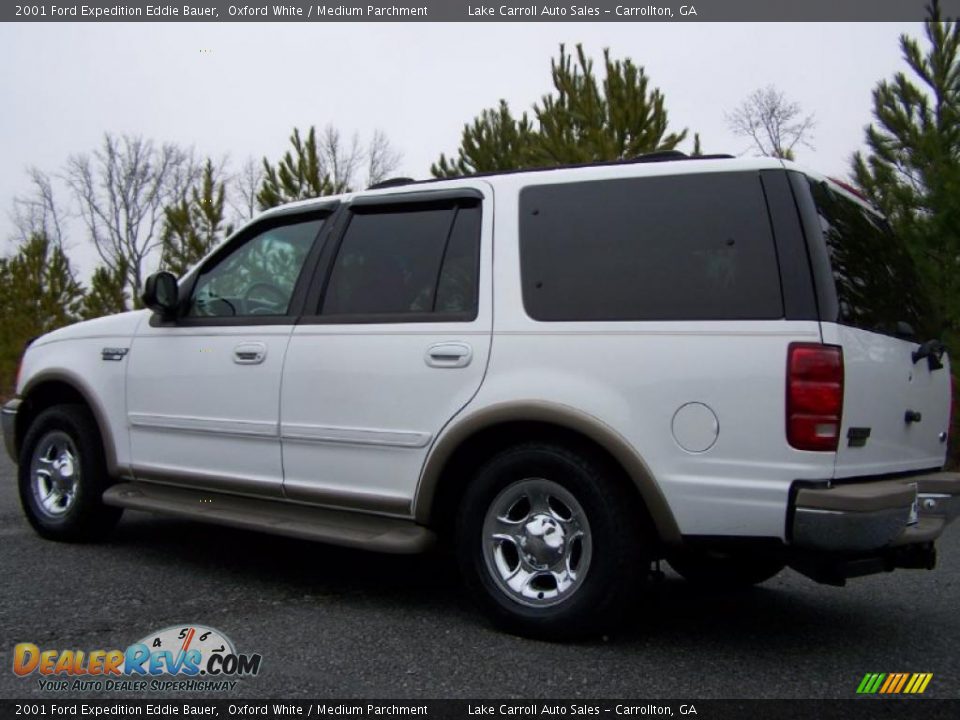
<point x="583" y="610"/>
<point x="87" y="508"/>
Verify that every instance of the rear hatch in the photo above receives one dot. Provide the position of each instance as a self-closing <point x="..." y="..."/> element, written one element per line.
<point x="896" y="401"/>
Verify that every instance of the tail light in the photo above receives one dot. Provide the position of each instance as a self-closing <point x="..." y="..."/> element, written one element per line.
<point x="814" y="396"/>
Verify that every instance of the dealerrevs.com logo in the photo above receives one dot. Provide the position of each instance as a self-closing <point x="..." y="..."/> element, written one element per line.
<point x="199" y="657"/>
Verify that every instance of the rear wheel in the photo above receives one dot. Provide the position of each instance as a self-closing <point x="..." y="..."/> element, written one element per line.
<point x="62" y="475"/>
<point x="725" y="570"/>
<point x="550" y="543"/>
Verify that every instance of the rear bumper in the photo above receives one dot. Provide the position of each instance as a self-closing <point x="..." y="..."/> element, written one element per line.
<point x="8" y="418"/>
<point x="872" y="515"/>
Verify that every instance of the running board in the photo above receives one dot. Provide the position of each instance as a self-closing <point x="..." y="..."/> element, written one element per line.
<point x="337" y="527"/>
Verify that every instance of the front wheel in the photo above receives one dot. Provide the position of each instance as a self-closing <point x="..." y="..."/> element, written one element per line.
<point x="550" y="542"/>
<point x="62" y="475"/>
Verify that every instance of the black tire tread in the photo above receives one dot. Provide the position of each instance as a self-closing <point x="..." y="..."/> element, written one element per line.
<point x="628" y="549"/>
<point x="89" y="519"/>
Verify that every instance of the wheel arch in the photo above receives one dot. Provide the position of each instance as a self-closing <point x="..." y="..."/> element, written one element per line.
<point x="60" y="387"/>
<point x="468" y="441"/>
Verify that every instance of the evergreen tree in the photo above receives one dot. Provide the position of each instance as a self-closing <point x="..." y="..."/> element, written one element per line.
<point x="494" y="141"/>
<point x="327" y="165"/>
<point x="193" y="226"/>
<point x="38" y="293"/>
<point x="298" y="175"/>
<point x="697" y="150"/>
<point x="911" y="170"/>
<point x="107" y="294"/>
<point x="584" y="119"/>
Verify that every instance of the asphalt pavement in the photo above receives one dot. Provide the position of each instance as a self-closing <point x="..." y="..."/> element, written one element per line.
<point x="335" y="623"/>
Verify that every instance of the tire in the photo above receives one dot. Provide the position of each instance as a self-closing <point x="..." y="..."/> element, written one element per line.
<point x="725" y="570"/>
<point x="62" y="475"/>
<point x="586" y="545"/>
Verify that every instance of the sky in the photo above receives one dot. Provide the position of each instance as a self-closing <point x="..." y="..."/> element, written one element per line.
<point x="236" y="90"/>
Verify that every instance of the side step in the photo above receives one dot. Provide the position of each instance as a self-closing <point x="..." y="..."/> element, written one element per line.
<point x="337" y="527"/>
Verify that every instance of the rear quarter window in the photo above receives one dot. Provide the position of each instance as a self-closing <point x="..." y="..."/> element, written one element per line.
<point x="877" y="287"/>
<point x="686" y="247"/>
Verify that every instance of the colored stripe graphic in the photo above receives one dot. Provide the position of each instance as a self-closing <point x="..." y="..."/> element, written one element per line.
<point x="894" y="683"/>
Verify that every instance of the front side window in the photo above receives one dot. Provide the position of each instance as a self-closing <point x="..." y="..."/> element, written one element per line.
<point x="407" y="261"/>
<point x="257" y="277"/>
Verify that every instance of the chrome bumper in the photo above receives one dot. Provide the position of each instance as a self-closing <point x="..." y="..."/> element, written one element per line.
<point x="871" y="515"/>
<point x="8" y="416"/>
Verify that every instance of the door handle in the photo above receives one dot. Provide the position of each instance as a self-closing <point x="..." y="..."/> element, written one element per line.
<point x="449" y="355"/>
<point x="251" y="353"/>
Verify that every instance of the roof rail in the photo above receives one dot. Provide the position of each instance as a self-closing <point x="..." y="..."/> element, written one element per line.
<point x="658" y="156"/>
<point x="391" y="182"/>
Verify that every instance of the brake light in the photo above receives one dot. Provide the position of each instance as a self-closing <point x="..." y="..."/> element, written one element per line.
<point x="814" y="396"/>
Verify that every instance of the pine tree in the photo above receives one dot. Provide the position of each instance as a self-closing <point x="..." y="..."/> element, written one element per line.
<point x="584" y="119"/>
<point x="325" y="166"/>
<point x="297" y="176"/>
<point x="494" y="141"/>
<point x="38" y="293"/>
<point x="193" y="226"/>
<point x="107" y="294"/>
<point x="912" y="168"/>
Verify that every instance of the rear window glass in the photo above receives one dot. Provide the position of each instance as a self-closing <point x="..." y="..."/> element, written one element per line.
<point x="877" y="286"/>
<point x="687" y="247"/>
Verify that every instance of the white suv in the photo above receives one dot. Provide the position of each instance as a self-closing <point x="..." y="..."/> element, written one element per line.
<point x="571" y="373"/>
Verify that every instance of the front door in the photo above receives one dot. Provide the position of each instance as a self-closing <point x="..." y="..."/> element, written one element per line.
<point x="203" y="391"/>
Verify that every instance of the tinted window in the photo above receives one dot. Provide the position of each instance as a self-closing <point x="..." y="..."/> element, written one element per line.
<point x="258" y="276"/>
<point x="877" y="287"/>
<point x="407" y="260"/>
<point x="457" y="288"/>
<point x="689" y="247"/>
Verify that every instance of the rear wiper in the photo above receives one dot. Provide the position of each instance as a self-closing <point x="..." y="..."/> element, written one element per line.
<point x="933" y="351"/>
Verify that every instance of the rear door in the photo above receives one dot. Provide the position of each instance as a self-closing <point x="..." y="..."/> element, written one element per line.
<point x="896" y="405"/>
<point x="396" y="345"/>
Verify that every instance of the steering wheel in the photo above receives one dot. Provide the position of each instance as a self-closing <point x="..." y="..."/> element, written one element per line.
<point x="280" y="301"/>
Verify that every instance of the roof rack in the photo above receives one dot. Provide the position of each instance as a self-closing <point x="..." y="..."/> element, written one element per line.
<point x="391" y="182"/>
<point x="658" y="156"/>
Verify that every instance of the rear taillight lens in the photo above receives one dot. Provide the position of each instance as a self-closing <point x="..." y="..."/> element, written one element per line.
<point x="814" y="396"/>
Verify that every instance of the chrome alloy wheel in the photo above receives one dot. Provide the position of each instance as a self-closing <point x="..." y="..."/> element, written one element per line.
<point x="55" y="474"/>
<point x="536" y="542"/>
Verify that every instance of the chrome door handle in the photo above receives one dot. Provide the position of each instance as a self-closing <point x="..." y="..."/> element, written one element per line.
<point x="449" y="355"/>
<point x="252" y="353"/>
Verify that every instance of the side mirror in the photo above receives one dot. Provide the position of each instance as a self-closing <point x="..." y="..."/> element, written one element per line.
<point x="160" y="294"/>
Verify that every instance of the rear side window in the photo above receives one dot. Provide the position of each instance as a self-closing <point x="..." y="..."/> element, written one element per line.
<point x="410" y="261"/>
<point x="686" y="247"/>
<point x="877" y="287"/>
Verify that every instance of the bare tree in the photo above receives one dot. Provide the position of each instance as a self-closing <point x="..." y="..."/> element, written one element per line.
<point x="342" y="160"/>
<point x="38" y="212"/>
<point x="382" y="159"/>
<point x="774" y="124"/>
<point x="339" y="158"/>
<point x="121" y="191"/>
<point x="244" y="188"/>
